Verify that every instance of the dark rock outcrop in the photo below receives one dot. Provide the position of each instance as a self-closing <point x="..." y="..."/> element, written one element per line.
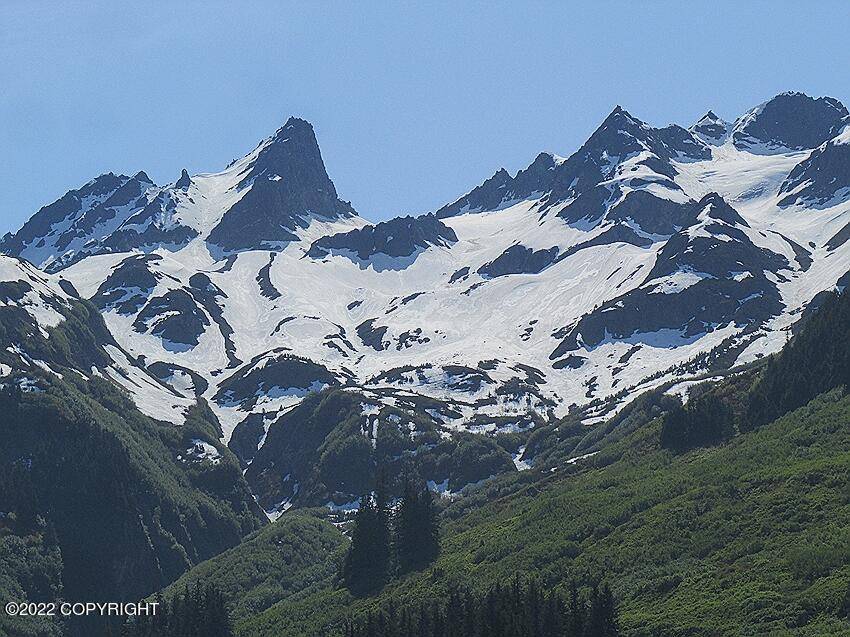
<point x="399" y="237"/>
<point x="790" y="120"/>
<point x="287" y="186"/>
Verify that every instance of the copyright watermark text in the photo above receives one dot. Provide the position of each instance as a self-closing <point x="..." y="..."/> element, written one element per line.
<point x="80" y="609"/>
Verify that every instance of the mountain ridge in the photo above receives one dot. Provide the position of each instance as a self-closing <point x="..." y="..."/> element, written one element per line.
<point x="569" y="287"/>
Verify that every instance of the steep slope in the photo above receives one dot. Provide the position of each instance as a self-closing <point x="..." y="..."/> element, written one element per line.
<point x="63" y="229"/>
<point x="823" y="179"/>
<point x="706" y="276"/>
<point x="746" y="537"/>
<point x="329" y="449"/>
<point x="789" y="121"/>
<point x="285" y="185"/>
<point x="111" y="503"/>
<point x="710" y="128"/>
<point x="660" y="526"/>
<point x="648" y="255"/>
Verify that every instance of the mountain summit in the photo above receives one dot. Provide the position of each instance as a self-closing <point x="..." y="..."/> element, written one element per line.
<point x="260" y="200"/>
<point x="790" y="121"/>
<point x="286" y="186"/>
<point x="645" y="256"/>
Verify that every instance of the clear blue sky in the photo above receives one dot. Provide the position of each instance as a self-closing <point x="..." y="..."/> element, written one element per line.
<point x="413" y="104"/>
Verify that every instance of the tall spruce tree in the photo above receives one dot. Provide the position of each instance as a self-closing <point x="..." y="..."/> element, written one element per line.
<point x="367" y="564"/>
<point x="417" y="540"/>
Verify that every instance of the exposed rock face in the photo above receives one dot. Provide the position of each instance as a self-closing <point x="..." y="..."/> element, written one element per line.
<point x="705" y="276"/>
<point x="823" y="177"/>
<point x="287" y="185"/>
<point x="792" y="121"/>
<point x="710" y="128"/>
<point x="501" y="188"/>
<point x="400" y="237"/>
<point x="184" y="182"/>
<point x="519" y="260"/>
<point x="66" y="230"/>
<point x="273" y="373"/>
<point x="127" y="288"/>
<point x="175" y="317"/>
<point x="588" y="277"/>
<point x="683" y="144"/>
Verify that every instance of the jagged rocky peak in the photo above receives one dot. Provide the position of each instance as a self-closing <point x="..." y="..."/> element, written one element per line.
<point x="538" y="177"/>
<point x="552" y="179"/>
<point x="502" y="190"/>
<point x="56" y="235"/>
<point x="620" y="134"/>
<point x="184" y="182"/>
<point x="71" y="204"/>
<point x="287" y="186"/>
<point x="710" y="128"/>
<point x="292" y="149"/>
<point x="789" y="121"/>
<point x="683" y="144"/>
<point x="488" y="196"/>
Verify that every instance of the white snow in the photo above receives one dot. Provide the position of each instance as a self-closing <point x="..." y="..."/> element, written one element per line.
<point x="469" y="320"/>
<point x="582" y="457"/>
<point x="201" y="450"/>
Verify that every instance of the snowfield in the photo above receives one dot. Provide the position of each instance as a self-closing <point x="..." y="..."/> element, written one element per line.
<point x="497" y="321"/>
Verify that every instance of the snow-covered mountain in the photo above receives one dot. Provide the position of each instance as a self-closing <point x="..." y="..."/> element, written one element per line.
<point x="32" y="303"/>
<point x="647" y="255"/>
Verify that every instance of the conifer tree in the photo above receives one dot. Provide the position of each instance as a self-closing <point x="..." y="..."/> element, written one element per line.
<point x="367" y="563"/>
<point x="199" y="610"/>
<point x="514" y="610"/>
<point x="417" y="540"/>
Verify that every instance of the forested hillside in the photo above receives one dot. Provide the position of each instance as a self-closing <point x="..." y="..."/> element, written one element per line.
<point x="744" y="533"/>
<point x="97" y="501"/>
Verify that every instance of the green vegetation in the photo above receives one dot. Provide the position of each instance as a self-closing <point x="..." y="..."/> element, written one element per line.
<point x="126" y="512"/>
<point x="417" y="533"/>
<point x="384" y="541"/>
<point x="700" y="542"/>
<point x="326" y="449"/>
<point x="97" y="501"/>
<point x="199" y="611"/>
<point x="367" y="564"/>
<point x="296" y="555"/>
<point x="728" y="516"/>
<point x="504" y="611"/>
<point x="815" y="361"/>
<point x="704" y="421"/>
<point x="738" y="529"/>
<point x="748" y="537"/>
<point x="30" y="569"/>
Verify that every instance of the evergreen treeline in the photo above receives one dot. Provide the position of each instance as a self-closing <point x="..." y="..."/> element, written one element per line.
<point x="198" y="611"/>
<point x="815" y="361"/>
<point x="515" y="610"/>
<point x="384" y="541"/>
<point x="704" y="421"/>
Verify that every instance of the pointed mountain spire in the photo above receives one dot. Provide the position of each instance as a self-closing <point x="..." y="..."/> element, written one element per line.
<point x="184" y="181"/>
<point x="142" y="176"/>
<point x="709" y="117"/>
<point x="288" y="185"/>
